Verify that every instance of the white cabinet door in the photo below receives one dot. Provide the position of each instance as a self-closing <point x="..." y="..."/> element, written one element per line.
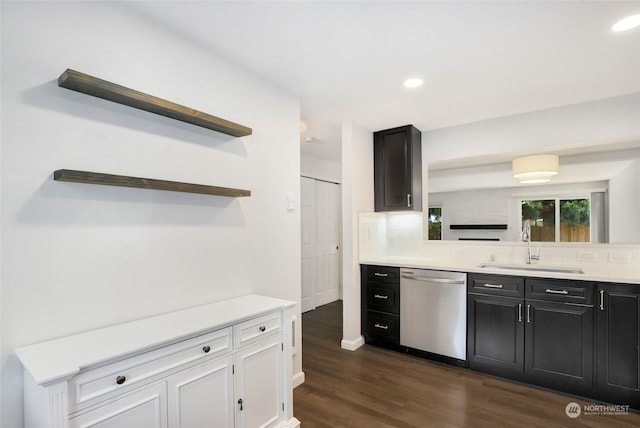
<point x="143" y="409"/>
<point x="259" y="384"/>
<point x="202" y="396"/>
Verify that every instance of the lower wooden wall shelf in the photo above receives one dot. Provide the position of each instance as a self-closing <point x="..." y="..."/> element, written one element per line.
<point x="144" y="183"/>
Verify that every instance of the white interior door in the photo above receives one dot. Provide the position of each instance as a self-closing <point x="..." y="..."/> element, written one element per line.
<point x="308" y="213"/>
<point x="320" y="211"/>
<point x="327" y="242"/>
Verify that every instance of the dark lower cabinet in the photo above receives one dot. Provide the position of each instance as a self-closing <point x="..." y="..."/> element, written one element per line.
<point x="559" y="346"/>
<point x="547" y="343"/>
<point x="495" y="337"/>
<point x="380" y="301"/>
<point x="618" y="344"/>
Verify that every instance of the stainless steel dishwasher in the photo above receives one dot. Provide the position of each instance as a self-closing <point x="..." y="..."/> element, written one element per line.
<point x="433" y="311"/>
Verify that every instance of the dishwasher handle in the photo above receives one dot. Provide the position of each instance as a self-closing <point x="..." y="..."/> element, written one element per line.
<point x="438" y="280"/>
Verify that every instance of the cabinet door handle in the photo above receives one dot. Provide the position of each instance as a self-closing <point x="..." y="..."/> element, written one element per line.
<point x="493" y="285"/>
<point x="383" y="327"/>
<point x="550" y="291"/>
<point x="602" y="300"/>
<point x="380" y="274"/>
<point x="408" y="200"/>
<point x="528" y="313"/>
<point x="240" y="403"/>
<point x="120" y="380"/>
<point x="262" y="328"/>
<point x="378" y="296"/>
<point x="519" y="312"/>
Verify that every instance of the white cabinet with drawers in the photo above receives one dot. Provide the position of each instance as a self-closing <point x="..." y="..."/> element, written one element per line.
<point x="226" y="364"/>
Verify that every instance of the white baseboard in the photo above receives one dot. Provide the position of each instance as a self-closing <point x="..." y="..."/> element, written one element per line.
<point x="298" y="379"/>
<point x="352" y="345"/>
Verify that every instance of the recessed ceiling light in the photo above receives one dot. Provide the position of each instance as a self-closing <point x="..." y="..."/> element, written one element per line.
<point x="412" y="83"/>
<point x="627" y="23"/>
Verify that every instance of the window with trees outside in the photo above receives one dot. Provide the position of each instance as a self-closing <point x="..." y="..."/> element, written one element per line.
<point x="435" y="223"/>
<point x="558" y="220"/>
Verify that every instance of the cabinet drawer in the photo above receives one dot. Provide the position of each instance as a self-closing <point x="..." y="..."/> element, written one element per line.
<point x="383" y="327"/>
<point x="383" y="274"/>
<point x="106" y="382"/>
<point x="499" y="285"/>
<point x="257" y="328"/>
<point x="559" y="290"/>
<point x="383" y="297"/>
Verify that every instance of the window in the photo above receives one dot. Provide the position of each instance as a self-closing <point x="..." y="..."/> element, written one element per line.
<point x="435" y="223"/>
<point x="557" y="220"/>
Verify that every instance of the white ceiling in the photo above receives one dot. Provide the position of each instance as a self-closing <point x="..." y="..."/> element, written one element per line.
<point x="346" y="60"/>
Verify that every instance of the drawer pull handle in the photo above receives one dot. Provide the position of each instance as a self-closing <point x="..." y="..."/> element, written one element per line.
<point x="262" y="328"/>
<point x="120" y="380"/>
<point x="493" y="285"/>
<point x="563" y="292"/>
<point x="384" y="327"/>
<point x="378" y="296"/>
<point x="380" y="274"/>
<point x="519" y="312"/>
<point x="206" y="349"/>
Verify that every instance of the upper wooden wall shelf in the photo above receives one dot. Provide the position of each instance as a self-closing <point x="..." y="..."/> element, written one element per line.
<point x="144" y="183"/>
<point x="87" y="84"/>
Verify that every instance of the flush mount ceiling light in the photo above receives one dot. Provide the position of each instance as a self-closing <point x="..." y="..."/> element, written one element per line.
<point x="627" y="23"/>
<point x="414" y="82"/>
<point x="535" y="169"/>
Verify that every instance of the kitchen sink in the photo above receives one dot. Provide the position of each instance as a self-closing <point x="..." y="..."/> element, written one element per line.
<point x="537" y="268"/>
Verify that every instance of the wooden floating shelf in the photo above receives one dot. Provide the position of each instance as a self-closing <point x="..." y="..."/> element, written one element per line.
<point x="478" y="226"/>
<point x="90" y="85"/>
<point x="144" y="183"/>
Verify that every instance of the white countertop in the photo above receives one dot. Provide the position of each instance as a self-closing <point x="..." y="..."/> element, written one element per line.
<point x="591" y="273"/>
<point x="62" y="358"/>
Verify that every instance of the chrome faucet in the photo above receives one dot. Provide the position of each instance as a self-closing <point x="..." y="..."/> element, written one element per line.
<point x="526" y="237"/>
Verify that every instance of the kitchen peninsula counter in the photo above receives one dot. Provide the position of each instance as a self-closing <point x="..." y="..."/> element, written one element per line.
<point x="596" y="273"/>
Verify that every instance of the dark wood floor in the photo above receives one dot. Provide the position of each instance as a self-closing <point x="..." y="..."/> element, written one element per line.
<point x="374" y="387"/>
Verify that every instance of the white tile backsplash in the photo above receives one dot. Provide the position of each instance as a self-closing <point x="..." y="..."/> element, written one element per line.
<point x="401" y="235"/>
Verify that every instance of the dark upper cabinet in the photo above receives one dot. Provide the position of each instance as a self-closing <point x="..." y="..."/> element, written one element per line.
<point x="618" y="344"/>
<point x="397" y="173"/>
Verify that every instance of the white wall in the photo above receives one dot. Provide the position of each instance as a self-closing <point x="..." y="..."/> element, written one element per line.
<point x="597" y="122"/>
<point x="357" y="197"/>
<point x="313" y="167"/>
<point x="76" y="257"/>
<point x="624" y="205"/>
